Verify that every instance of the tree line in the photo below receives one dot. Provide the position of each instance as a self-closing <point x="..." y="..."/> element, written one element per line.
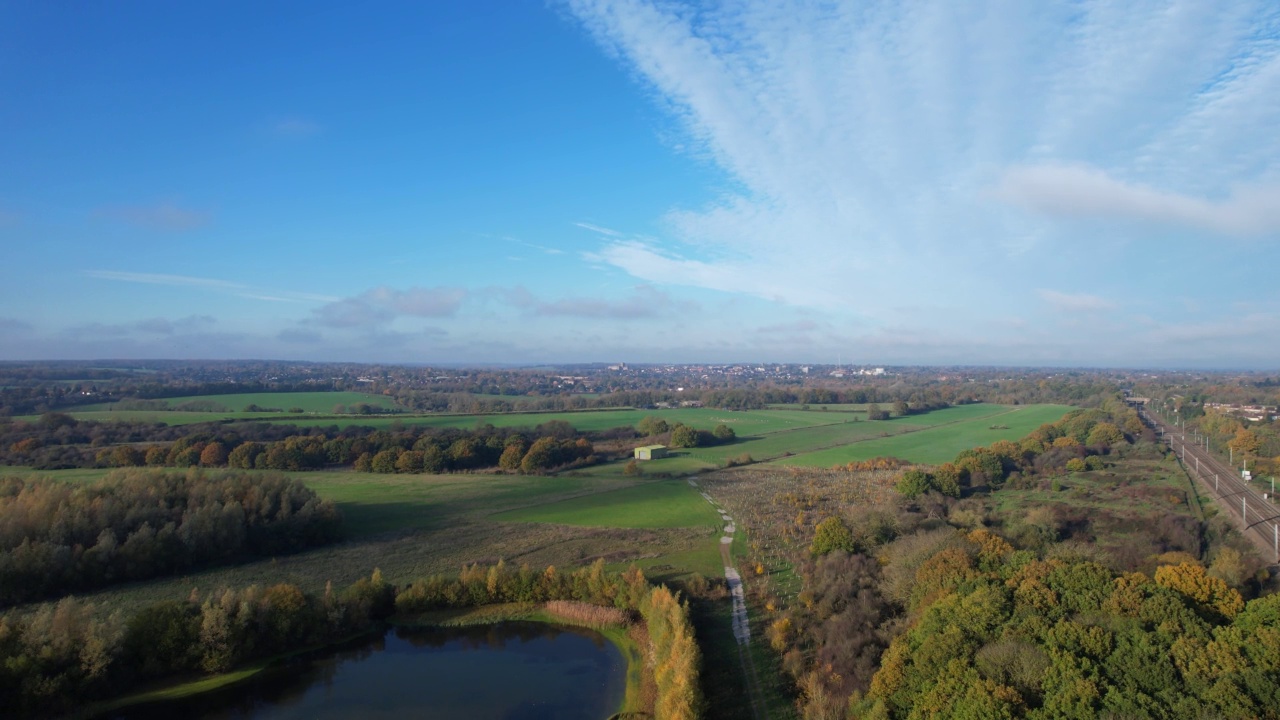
<point x="62" y="657"/>
<point x="58" y="441"/>
<point x="60" y="537"/>
<point x="1075" y="443"/>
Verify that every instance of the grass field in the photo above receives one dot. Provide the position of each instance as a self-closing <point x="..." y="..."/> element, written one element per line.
<point x="743" y="422"/>
<point x="671" y="503"/>
<point x="310" y="402"/>
<point x="833" y="437"/>
<point x="307" y="402"/>
<point x="749" y="421"/>
<point x="941" y="443"/>
<point x="413" y="526"/>
<point x="829" y="407"/>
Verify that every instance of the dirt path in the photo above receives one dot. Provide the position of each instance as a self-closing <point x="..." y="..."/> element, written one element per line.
<point x="741" y="626"/>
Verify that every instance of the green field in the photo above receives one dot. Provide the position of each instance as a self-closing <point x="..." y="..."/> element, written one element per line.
<point x="841" y="431"/>
<point x="672" y="503"/>
<point x="412" y="526"/>
<point x="743" y="422"/>
<point x="829" y="407"/>
<point x="320" y="402"/>
<point x="939" y="444"/>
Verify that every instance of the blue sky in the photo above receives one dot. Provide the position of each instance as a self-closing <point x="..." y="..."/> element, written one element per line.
<point x="1061" y="183"/>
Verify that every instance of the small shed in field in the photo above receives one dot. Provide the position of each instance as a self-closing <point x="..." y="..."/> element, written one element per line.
<point x="651" y="452"/>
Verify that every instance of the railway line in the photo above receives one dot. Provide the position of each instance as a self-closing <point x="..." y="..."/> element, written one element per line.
<point x="1255" y="512"/>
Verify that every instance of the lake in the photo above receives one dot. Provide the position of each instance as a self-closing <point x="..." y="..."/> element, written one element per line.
<point x="512" y="670"/>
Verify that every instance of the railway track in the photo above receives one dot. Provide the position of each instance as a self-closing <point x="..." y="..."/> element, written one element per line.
<point x="1255" y="512"/>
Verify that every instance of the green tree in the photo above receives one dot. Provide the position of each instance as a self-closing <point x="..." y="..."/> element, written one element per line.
<point x="724" y="433"/>
<point x="913" y="483"/>
<point x="541" y="456"/>
<point x="163" y="638"/>
<point x="156" y="456"/>
<point x="1105" y="433"/>
<point x="385" y="461"/>
<point x="127" y="456"/>
<point x="832" y="534"/>
<point x="948" y="479"/>
<point x="512" y="454"/>
<point x="683" y="436"/>
<point x="410" y="461"/>
<point x="652" y="425"/>
<point x="244" y="455"/>
<point x="364" y="463"/>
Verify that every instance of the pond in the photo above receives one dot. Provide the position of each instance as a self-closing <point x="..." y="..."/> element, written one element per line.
<point x="512" y="670"/>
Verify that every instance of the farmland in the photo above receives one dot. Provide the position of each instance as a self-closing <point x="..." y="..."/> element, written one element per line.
<point x="662" y="504"/>
<point x="940" y="443"/>
<point x="845" y="436"/>
<point x="217" y="408"/>
<point x="411" y="526"/>
<point x="308" y="402"/>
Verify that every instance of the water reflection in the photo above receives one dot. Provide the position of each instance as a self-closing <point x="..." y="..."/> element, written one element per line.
<point x="514" y="671"/>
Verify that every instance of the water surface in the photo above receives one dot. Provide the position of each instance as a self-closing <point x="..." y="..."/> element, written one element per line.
<point x="514" y="671"/>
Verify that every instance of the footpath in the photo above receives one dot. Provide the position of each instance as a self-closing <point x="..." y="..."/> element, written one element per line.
<point x="741" y="626"/>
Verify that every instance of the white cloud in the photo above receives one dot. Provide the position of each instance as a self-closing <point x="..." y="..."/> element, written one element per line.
<point x="162" y="279"/>
<point x="645" y="301"/>
<point x="1078" y="302"/>
<point x="225" y="286"/>
<point x="383" y="304"/>
<point x="151" y="327"/>
<point x="861" y="141"/>
<point x="535" y="246"/>
<point x="598" y="229"/>
<point x="1080" y="191"/>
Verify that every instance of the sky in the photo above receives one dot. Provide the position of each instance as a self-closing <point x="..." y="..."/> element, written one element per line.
<point x="994" y="182"/>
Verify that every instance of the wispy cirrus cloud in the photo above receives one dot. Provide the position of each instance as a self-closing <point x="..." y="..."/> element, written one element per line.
<point x="535" y="246"/>
<point x="645" y="301"/>
<point x="609" y="232"/>
<point x="212" y="284"/>
<point x="153" y="327"/>
<point x="861" y="143"/>
<point x="165" y="217"/>
<point x="1075" y="302"/>
<point x="14" y="325"/>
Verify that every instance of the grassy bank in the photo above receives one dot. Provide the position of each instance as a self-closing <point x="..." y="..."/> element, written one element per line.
<point x="176" y="690"/>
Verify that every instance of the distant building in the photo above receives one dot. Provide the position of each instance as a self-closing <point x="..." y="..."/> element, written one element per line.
<point x="651" y="452"/>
